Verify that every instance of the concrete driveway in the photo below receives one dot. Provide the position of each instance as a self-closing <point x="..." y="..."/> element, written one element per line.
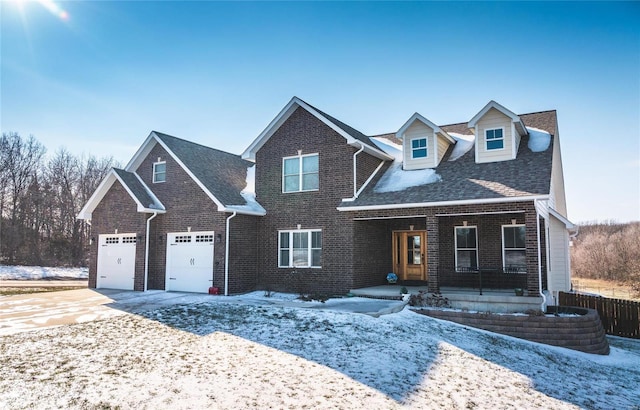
<point x="40" y="310"/>
<point x="22" y="313"/>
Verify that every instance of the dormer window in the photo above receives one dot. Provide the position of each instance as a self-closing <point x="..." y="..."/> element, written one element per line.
<point x="419" y="148"/>
<point x="495" y="139"/>
<point x="300" y="173"/>
<point x="159" y="172"/>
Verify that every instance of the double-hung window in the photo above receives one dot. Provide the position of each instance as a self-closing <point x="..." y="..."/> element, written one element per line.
<point x="419" y="148"/>
<point x="300" y="248"/>
<point x="495" y="139"/>
<point x="300" y="173"/>
<point x="466" y="242"/>
<point x="514" y="247"/>
<point x="159" y="172"/>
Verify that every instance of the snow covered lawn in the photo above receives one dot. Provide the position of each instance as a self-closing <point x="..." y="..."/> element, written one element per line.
<point x="228" y="355"/>
<point x="39" y="272"/>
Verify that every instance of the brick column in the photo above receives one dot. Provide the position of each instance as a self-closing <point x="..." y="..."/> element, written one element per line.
<point x="433" y="252"/>
<point x="532" y="249"/>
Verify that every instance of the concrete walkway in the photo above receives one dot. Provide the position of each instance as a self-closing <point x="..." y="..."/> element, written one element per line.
<point x="22" y="313"/>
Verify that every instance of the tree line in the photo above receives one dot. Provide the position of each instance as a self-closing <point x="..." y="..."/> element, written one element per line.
<point x="40" y="197"/>
<point x="607" y="250"/>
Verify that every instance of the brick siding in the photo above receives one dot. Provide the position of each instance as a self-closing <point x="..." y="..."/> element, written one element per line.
<point x="311" y="210"/>
<point x="117" y="211"/>
<point x="187" y="207"/>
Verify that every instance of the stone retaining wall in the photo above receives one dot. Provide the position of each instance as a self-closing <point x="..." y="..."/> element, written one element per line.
<point x="583" y="332"/>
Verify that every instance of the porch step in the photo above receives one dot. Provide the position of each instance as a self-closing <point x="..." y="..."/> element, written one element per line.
<point x="390" y="292"/>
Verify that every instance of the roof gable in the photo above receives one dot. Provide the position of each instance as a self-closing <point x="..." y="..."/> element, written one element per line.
<point x="492" y="104"/>
<point x="144" y="198"/>
<point x="352" y="136"/>
<point x="417" y="117"/>
<point x="221" y="175"/>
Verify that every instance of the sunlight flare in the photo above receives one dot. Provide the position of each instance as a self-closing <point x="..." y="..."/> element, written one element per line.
<point x="50" y="5"/>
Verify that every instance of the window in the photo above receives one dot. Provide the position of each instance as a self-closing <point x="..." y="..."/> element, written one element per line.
<point x="514" y="248"/>
<point x="419" y="148"/>
<point x="300" y="249"/>
<point x="495" y="139"/>
<point x="159" y="172"/>
<point x="300" y="173"/>
<point x="466" y="242"/>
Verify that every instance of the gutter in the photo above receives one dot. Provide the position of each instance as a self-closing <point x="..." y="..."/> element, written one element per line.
<point x="146" y="251"/>
<point x="226" y="254"/>
<point x="441" y="203"/>
<point x="355" y="183"/>
<point x="544" y="298"/>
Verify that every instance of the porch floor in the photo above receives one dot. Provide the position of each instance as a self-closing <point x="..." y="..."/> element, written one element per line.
<point x="491" y="300"/>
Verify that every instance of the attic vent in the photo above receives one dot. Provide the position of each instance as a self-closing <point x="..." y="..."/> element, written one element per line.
<point x="129" y="239"/>
<point x="112" y="239"/>
<point x="204" y="238"/>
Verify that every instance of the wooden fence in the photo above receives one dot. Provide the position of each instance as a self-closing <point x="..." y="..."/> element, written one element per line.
<point x="619" y="317"/>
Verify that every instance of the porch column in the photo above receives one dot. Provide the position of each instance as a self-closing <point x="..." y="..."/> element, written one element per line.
<point x="433" y="252"/>
<point x="532" y="250"/>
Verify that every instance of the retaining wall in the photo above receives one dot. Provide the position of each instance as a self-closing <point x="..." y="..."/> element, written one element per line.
<point x="583" y="332"/>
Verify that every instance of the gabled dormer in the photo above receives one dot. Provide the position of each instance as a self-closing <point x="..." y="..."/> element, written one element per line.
<point x="497" y="133"/>
<point x="423" y="143"/>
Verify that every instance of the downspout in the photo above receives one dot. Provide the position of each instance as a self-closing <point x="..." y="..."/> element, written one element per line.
<point x="226" y="255"/>
<point x="146" y="251"/>
<point x="544" y="298"/>
<point x="355" y="182"/>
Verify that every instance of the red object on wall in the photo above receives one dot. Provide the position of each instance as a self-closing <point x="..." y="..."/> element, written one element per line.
<point x="214" y="291"/>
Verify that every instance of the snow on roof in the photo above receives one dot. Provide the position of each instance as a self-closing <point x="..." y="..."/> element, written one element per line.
<point x="396" y="178"/>
<point x="539" y="140"/>
<point x="249" y="194"/>
<point x="463" y="144"/>
<point x="389" y="147"/>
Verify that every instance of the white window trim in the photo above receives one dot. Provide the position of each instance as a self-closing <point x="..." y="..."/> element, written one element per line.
<point x="309" y="248"/>
<point x="504" y="265"/>
<point x="155" y="173"/>
<point x="426" y="147"/>
<point x="300" y="174"/>
<point x="486" y="141"/>
<point x="455" y="244"/>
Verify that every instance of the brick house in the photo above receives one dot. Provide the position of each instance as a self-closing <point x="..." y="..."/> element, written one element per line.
<point x="315" y="205"/>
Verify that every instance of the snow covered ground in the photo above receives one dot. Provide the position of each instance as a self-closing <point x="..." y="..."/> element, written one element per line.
<point x="218" y="354"/>
<point x="40" y="272"/>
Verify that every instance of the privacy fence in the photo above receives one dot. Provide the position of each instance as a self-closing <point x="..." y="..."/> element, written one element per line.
<point x="619" y="317"/>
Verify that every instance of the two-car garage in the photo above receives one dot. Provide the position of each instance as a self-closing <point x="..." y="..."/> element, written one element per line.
<point x="189" y="261"/>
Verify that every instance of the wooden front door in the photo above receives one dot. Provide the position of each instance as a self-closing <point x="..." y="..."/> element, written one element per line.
<point x="409" y="255"/>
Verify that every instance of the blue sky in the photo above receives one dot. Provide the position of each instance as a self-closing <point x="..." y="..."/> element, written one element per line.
<point x="98" y="81"/>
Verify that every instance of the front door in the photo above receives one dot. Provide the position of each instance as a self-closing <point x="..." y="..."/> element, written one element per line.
<point x="409" y="251"/>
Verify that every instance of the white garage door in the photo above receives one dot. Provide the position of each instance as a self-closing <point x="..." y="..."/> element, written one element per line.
<point x="116" y="261"/>
<point x="190" y="261"/>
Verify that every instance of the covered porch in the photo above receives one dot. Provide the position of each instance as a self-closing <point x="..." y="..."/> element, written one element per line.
<point x="480" y="256"/>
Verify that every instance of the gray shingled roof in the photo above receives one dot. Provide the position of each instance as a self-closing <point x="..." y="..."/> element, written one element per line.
<point x="349" y="130"/>
<point x="138" y="189"/>
<point x="463" y="179"/>
<point x="222" y="173"/>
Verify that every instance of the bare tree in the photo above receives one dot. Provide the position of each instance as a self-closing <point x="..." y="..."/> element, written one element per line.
<point x="607" y="251"/>
<point x="21" y="160"/>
